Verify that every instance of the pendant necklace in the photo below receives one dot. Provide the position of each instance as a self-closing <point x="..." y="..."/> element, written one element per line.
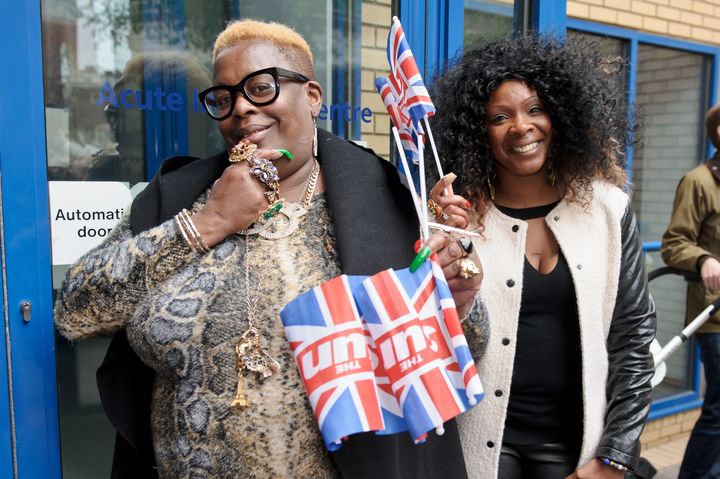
<point x="251" y="356"/>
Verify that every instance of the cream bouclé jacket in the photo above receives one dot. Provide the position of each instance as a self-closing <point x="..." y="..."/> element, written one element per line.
<point x="590" y="239"/>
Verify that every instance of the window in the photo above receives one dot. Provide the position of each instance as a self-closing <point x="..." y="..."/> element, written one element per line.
<point x="672" y="88"/>
<point x="670" y="83"/>
<point x="485" y="20"/>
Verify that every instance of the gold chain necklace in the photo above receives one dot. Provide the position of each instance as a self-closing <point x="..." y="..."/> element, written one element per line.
<point x="251" y="356"/>
<point x="287" y="220"/>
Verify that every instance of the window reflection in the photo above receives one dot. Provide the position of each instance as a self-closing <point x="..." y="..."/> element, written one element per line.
<point x="485" y="20"/>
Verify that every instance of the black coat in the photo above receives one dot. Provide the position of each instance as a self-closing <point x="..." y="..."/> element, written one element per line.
<point x="375" y="227"/>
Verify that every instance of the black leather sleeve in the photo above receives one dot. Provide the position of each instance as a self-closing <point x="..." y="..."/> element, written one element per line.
<point x="630" y="363"/>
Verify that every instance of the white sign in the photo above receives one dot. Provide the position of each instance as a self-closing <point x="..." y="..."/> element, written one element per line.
<point x="82" y="213"/>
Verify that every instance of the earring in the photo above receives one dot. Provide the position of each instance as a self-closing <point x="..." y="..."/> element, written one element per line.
<point x="552" y="174"/>
<point x="491" y="188"/>
<point x="314" y="138"/>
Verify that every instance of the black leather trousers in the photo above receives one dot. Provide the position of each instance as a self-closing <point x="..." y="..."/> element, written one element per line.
<point x="538" y="461"/>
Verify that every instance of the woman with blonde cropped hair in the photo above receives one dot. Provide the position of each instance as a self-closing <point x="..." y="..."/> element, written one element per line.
<point x="195" y="275"/>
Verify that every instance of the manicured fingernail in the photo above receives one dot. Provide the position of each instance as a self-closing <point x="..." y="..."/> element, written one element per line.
<point x="449" y="178"/>
<point x="286" y="153"/>
<point x="417" y="246"/>
<point x="467" y="204"/>
<point x="420" y="258"/>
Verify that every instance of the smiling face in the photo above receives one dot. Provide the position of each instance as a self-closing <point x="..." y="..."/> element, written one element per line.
<point x="519" y="129"/>
<point x="285" y="123"/>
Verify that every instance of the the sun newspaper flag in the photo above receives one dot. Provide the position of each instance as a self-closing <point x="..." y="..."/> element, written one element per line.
<point x="384" y="353"/>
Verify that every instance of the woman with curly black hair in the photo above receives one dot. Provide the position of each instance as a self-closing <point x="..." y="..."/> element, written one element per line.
<point x="537" y="131"/>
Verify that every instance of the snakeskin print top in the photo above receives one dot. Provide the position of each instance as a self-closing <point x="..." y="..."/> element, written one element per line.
<point x="183" y="313"/>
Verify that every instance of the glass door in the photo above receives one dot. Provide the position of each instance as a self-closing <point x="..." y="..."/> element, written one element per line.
<point x="115" y="84"/>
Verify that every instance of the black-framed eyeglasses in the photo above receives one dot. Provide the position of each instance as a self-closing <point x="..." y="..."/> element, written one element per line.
<point x="259" y="88"/>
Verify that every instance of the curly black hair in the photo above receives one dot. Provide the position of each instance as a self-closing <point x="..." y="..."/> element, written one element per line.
<point x="579" y="88"/>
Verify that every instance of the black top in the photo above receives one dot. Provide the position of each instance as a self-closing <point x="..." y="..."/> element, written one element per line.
<point x="546" y="393"/>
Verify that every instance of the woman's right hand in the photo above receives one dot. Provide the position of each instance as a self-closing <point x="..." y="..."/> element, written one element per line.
<point x="235" y="201"/>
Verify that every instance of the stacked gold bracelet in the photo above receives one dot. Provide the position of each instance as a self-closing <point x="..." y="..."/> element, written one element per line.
<point x="190" y="233"/>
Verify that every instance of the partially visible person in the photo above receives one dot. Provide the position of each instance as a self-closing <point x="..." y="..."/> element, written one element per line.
<point x="692" y="243"/>
<point x="536" y="131"/>
<point x="125" y="158"/>
<point x="200" y="380"/>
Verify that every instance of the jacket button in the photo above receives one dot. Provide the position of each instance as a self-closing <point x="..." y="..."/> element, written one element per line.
<point x="505" y="341"/>
<point x="490" y="444"/>
<point x="498" y="393"/>
<point x="515" y="228"/>
<point x="556" y="218"/>
<point x="579" y="266"/>
<point x="510" y="283"/>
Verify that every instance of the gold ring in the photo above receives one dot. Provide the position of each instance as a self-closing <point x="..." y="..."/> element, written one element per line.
<point x="436" y="210"/>
<point x="468" y="268"/>
<point x="243" y="151"/>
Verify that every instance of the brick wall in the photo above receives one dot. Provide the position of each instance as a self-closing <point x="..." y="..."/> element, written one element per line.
<point x="668" y="429"/>
<point x="687" y="19"/>
<point x="376" y="18"/>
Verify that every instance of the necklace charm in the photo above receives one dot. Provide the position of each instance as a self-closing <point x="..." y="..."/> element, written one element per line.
<point x="251" y="357"/>
<point x="240" y="401"/>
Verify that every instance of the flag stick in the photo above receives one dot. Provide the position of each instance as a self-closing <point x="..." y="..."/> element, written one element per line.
<point x="452" y="229"/>
<point x="434" y="149"/>
<point x="423" y="191"/>
<point x="406" y="169"/>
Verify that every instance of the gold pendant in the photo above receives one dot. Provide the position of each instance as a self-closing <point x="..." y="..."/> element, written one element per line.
<point x="240" y="401"/>
<point x="251" y="357"/>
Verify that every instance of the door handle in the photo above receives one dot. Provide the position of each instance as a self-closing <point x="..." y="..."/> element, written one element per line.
<point x="25" y="309"/>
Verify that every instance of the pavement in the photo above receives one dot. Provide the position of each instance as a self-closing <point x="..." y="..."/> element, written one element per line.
<point x="667" y="457"/>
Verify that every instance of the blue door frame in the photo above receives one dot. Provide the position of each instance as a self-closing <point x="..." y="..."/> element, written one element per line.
<point x="34" y="448"/>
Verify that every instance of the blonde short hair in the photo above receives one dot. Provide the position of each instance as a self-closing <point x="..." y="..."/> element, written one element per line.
<point x="290" y="42"/>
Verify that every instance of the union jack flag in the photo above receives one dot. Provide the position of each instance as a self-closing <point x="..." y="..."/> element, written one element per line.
<point x="329" y="344"/>
<point x="417" y="334"/>
<point x="410" y="132"/>
<point x="405" y="78"/>
<point x="384" y="353"/>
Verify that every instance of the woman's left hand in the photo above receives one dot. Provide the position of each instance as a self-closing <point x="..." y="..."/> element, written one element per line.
<point x="454" y="207"/>
<point x="595" y="469"/>
<point x="450" y="254"/>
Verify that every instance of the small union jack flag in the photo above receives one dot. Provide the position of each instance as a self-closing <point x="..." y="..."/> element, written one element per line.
<point x="384" y="353"/>
<point x="405" y="78"/>
<point x="411" y="133"/>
